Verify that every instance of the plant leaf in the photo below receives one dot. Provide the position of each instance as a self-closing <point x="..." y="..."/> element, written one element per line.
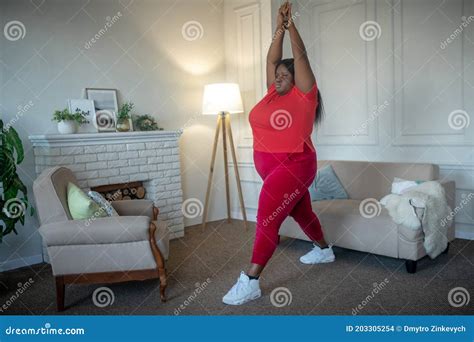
<point x="14" y="140"/>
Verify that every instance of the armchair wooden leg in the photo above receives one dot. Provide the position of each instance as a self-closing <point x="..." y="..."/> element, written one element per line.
<point x="163" y="283"/>
<point x="60" y="289"/>
<point x="160" y="262"/>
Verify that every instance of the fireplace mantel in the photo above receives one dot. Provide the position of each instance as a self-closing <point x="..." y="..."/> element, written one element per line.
<point x="81" y="139"/>
<point x="98" y="159"/>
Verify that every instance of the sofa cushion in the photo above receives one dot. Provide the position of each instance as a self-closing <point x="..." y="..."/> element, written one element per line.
<point x="343" y="225"/>
<point x="327" y="186"/>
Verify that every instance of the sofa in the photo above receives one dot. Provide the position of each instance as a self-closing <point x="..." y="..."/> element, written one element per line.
<point x="132" y="246"/>
<point x="345" y="226"/>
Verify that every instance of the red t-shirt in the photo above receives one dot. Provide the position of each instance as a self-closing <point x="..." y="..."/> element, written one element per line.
<point x="284" y="123"/>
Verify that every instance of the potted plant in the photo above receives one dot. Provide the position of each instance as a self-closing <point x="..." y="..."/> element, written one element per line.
<point x="14" y="198"/>
<point x="68" y="122"/>
<point x="146" y="123"/>
<point x="123" y="117"/>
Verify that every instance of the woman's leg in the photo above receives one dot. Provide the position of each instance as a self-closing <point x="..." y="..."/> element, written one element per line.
<point x="281" y="191"/>
<point x="308" y="221"/>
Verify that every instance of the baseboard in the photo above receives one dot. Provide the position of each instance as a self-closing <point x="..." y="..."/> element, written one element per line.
<point x="461" y="234"/>
<point x="21" y="262"/>
<point x="251" y="215"/>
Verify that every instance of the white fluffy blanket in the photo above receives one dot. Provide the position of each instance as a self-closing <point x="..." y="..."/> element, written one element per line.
<point x="423" y="206"/>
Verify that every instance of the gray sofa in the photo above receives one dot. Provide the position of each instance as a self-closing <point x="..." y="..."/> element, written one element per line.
<point x="344" y="226"/>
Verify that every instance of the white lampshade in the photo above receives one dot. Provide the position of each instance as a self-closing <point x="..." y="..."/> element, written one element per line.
<point x="222" y="97"/>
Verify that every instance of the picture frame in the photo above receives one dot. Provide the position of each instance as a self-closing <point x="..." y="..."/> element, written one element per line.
<point x="105" y="106"/>
<point x="86" y="106"/>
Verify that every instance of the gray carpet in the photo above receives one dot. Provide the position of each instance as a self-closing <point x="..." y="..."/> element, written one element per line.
<point x="224" y="249"/>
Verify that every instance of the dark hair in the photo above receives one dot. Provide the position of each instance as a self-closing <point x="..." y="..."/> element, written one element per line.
<point x="289" y="64"/>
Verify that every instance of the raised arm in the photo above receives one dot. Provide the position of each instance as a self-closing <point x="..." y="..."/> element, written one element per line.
<point x="304" y="77"/>
<point x="275" y="51"/>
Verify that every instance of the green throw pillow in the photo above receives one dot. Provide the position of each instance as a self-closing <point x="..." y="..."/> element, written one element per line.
<point x="80" y="205"/>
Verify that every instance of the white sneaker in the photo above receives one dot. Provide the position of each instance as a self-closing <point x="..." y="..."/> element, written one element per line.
<point x="318" y="255"/>
<point x="243" y="291"/>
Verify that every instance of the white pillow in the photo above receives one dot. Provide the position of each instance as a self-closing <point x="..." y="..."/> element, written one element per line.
<point x="401" y="185"/>
<point x="103" y="203"/>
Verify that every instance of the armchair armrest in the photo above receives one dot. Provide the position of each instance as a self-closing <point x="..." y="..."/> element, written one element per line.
<point x="450" y="191"/>
<point x="134" y="207"/>
<point x="103" y="230"/>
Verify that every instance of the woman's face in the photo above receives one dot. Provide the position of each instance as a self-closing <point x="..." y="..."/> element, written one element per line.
<point x="283" y="80"/>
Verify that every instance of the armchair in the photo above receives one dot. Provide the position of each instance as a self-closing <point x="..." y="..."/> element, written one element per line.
<point x="132" y="246"/>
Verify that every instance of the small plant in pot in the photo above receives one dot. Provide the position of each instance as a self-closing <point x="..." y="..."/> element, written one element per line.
<point x="68" y="122"/>
<point x="123" y="117"/>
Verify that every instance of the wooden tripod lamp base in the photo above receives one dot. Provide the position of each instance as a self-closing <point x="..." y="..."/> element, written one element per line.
<point x="223" y="121"/>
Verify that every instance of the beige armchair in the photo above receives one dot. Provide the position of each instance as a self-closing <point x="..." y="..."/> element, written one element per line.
<point x="132" y="246"/>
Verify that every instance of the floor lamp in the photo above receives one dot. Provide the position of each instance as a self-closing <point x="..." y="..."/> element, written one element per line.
<point x="223" y="99"/>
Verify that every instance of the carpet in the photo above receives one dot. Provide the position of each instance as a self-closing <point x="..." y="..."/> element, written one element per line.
<point x="203" y="265"/>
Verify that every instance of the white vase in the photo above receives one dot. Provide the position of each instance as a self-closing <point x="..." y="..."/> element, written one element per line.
<point x="67" y="127"/>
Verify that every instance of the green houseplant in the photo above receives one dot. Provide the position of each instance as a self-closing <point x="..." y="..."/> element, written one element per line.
<point x="146" y="123"/>
<point x="67" y="121"/>
<point x="14" y="197"/>
<point x="124" y="116"/>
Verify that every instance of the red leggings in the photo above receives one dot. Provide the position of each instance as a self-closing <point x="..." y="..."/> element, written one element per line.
<point x="286" y="178"/>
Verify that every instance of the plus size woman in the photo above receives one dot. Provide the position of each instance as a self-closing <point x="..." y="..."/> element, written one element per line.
<point x="284" y="157"/>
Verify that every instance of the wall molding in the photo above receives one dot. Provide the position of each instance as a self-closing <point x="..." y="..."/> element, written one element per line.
<point x="405" y="134"/>
<point x="368" y="135"/>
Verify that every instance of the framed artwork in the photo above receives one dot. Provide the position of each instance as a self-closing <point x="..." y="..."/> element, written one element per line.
<point x="86" y="106"/>
<point x="106" y="107"/>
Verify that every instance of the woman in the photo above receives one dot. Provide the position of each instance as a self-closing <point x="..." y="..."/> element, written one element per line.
<point x="284" y="157"/>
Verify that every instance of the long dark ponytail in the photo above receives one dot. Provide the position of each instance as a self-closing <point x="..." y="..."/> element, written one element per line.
<point x="289" y="64"/>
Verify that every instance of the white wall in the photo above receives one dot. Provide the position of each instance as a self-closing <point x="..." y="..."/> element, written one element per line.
<point x="143" y="54"/>
<point x="421" y="82"/>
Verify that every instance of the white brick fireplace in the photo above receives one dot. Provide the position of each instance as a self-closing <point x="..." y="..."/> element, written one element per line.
<point x="112" y="158"/>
